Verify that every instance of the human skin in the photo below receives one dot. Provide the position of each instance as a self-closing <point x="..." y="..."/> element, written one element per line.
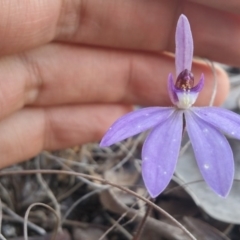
<point x="70" y="68"/>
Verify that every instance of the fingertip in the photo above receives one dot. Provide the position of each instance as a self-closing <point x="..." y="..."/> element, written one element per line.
<point x="216" y="85"/>
<point x="223" y="85"/>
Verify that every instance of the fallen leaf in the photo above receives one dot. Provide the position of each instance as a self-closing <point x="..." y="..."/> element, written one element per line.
<point x="223" y="209"/>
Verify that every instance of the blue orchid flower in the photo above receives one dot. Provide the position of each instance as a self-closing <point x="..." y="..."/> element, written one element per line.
<point x="205" y="127"/>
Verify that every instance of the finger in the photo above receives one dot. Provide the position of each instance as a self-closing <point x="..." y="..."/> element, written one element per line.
<point x="57" y="74"/>
<point x="232" y="6"/>
<point x="27" y="132"/>
<point x="25" y="24"/>
<point x="145" y="25"/>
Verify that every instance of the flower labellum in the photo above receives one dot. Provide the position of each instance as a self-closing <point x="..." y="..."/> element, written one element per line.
<point x="205" y="127"/>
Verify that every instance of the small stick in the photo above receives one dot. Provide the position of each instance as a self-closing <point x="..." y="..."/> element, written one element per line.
<point x="18" y="218"/>
<point x="116" y="224"/>
<point x="70" y="191"/>
<point x="0" y="215"/>
<point x="26" y="220"/>
<point x="142" y="223"/>
<point x="129" y="154"/>
<point x="1" y="236"/>
<point x="214" y="92"/>
<point x="80" y="200"/>
<point x="49" y="192"/>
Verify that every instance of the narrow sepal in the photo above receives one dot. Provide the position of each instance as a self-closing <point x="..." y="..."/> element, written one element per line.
<point x="198" y="88"/>
<point x="160" y="153"/>
<point x="184" y="45"/>
<point x="212" y="152"/>
<point x="134" y="123"/>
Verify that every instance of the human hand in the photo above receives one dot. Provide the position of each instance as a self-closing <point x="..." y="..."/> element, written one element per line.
<point x="68" y="69"/>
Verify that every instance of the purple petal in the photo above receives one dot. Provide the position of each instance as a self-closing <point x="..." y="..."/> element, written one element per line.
<point x="160" y="153"/>
<point x="184" y="45"/>
<point x="226" y="121"/>
<point x="198" y="88"/>
<point x="172" y="90"/>
<point x="212" y="152"/>
<point x="134" y="123"/>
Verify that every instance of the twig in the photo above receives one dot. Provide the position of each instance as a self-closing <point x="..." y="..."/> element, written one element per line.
<point x="142" y="223"/>
<point x="112" y="203"/>
<point x="1" y="236"/>
<point x="73" y="163"/>
<point x="6" y="196"/>
<point x="135" y="215"/>
<point x="82" y="199"/>
<point x="184" y="148"/>
<point x="131" y="219"/>
<point x="116" y="223"/>
<point x="129" y="153"/>
<point x="0" y="215"/>
<point x="184" y="185"/>
<point x="82" y="175"/>
<point x="26" y="220"/>
<point x="94" y="185"/>
<point x="70" y="191"/>
<point x="18" y="218"/>
<point x="228" y="229"/>
<point x="49" y="192"/>
<point x="83" y="224"/>
<point x="214" y="92"/>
